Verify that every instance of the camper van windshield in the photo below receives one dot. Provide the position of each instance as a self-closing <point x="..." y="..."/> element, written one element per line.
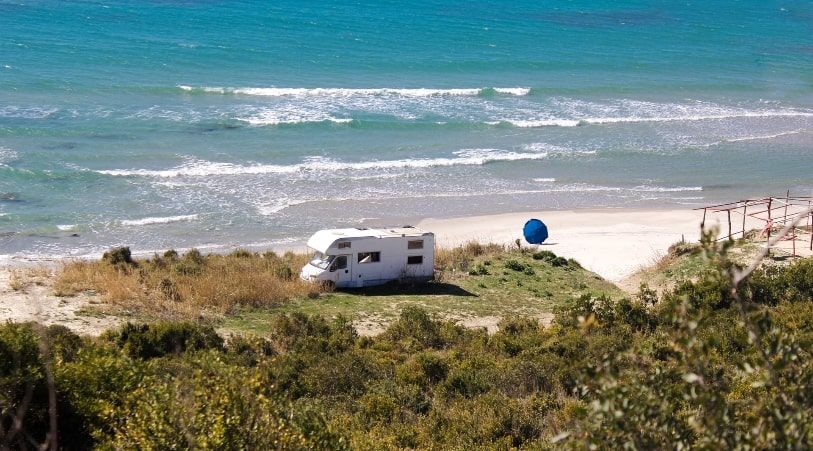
<point x="321" y="260"/>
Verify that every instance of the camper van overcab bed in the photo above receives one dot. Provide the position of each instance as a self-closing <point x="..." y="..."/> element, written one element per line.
<point x="367" y="257"/>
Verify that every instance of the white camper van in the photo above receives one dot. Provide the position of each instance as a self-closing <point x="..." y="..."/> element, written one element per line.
<point x="367" y="257"/>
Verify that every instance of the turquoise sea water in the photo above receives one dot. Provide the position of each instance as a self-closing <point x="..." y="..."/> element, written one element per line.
<point x="209" y="124"/>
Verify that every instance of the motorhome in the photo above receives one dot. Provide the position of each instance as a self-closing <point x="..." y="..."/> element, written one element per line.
<point x="361" y="257"/>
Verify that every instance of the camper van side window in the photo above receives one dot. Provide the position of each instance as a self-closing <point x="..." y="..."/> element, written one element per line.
<point x="344" y="245"/>
<point x="415" y="260"/>
<point x="415" y="244"/>
<point x="369" y="257"/>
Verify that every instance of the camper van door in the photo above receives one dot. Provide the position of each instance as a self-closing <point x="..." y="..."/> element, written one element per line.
<point x="341" y="265"/>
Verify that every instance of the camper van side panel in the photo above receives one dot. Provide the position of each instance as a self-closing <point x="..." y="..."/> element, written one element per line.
<point x="420" y="260"/>
<point x="396" y="261"/>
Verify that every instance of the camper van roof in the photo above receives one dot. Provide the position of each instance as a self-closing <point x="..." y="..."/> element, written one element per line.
<point x="323" y="239"/>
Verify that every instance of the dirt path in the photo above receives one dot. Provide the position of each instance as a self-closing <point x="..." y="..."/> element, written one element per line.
<point x="26" y="294"/>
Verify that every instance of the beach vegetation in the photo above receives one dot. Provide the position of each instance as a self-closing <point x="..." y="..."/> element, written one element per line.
<point x="459" y="258"/>
<point x="710" y="363"/>
<point x="241" y="291"/>
<point x="188" y="285"/>
<point x="480" y="296"/>
<point x="118" y="256"/>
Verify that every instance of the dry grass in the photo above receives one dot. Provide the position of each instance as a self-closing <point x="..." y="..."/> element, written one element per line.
<point x="459" y="258"/>
<point x="191" y="285"/>
<point x="22" y="278"/>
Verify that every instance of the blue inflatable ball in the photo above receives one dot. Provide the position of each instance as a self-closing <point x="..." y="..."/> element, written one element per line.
<point x="535" y="231"/>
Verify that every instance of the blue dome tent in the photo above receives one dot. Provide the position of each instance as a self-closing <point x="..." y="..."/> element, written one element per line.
<point x="535" y="231"/>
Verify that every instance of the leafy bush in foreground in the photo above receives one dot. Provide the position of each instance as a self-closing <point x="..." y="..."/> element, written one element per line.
<point x="146" y="341"/>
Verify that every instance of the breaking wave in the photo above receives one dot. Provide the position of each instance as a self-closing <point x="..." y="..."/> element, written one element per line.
<point x="273" y="117"/>
<point x="158" y="220"/>
<point x="27" y="112"/>
<point x="356" y="92"/>
<point x="202" y="168"/>
<point x="534" y="123"/>
<point x="283" y="203"/>
<point x="760" y="137"/>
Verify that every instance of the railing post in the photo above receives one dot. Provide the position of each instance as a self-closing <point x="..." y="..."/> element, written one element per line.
<point x="770" y="223"/>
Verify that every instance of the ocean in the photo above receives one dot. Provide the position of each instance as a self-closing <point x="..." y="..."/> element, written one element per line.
<point x="176" y="124"/>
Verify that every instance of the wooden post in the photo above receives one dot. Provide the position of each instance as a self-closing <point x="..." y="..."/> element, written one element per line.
<point x="703" y="222"/>
<point x="794" y="241"/>
<point x="744" y="212"/>
<point x="770" y="221"/>
<point x="770" y="224"/>
<point x="787" y="201"/>
<point x="729" y="224"/>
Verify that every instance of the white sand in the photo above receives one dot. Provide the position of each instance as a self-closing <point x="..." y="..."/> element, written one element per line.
<point x="611" y="243"/>
<point x="35" y="301"/>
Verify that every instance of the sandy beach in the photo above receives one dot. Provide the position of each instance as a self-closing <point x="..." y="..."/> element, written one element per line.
<point x="611" y="243"/>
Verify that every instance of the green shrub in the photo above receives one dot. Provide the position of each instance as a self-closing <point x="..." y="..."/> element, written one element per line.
<point x="171" y="255"/>
<point x="543" y="255"/>
<point x="241" y="253"/>
<point x="424" y="369"/>
<point x="479" y="270"/>
<point x="23" y="387"/>
<point x="194" y="256"/>
<point x="414" y="326"/>
<point x="471" y="377"/>
<point x="522" y="377"/>
<point x="62" y="343"/>
<point x="146" y="341"/>
<point x="91" y="388"/>
<point x="298" y="332"/>
<point x="250" y="350"/>
<point x="515" y="265"/>
<point x="553" y="260"/>
<point x="119" y="256"/>
<point x="216" y="407"/>
<point x="345" y="374"/>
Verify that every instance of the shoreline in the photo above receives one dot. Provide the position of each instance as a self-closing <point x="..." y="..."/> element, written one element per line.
<point x="593" y="236"/>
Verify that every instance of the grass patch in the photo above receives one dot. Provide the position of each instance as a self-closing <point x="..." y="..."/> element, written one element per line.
<point x="188" y="286"/>
<point x="22" y="278"/>
<point x="483" y="283"/>
<point x="687" y="262"/>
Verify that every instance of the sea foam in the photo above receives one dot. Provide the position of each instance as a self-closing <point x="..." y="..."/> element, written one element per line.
<point x="202" y="168"/>
<point x="27" y="112"/>
<point x="282" y="204"/>
<point x="534" y="123"/>
<point x="354" y="92"/>
<point x="7" y="156"/>
<point x="158" y="220"/>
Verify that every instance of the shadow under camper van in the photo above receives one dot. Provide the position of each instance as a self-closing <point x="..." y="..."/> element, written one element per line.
<point x="367" y="257"/>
